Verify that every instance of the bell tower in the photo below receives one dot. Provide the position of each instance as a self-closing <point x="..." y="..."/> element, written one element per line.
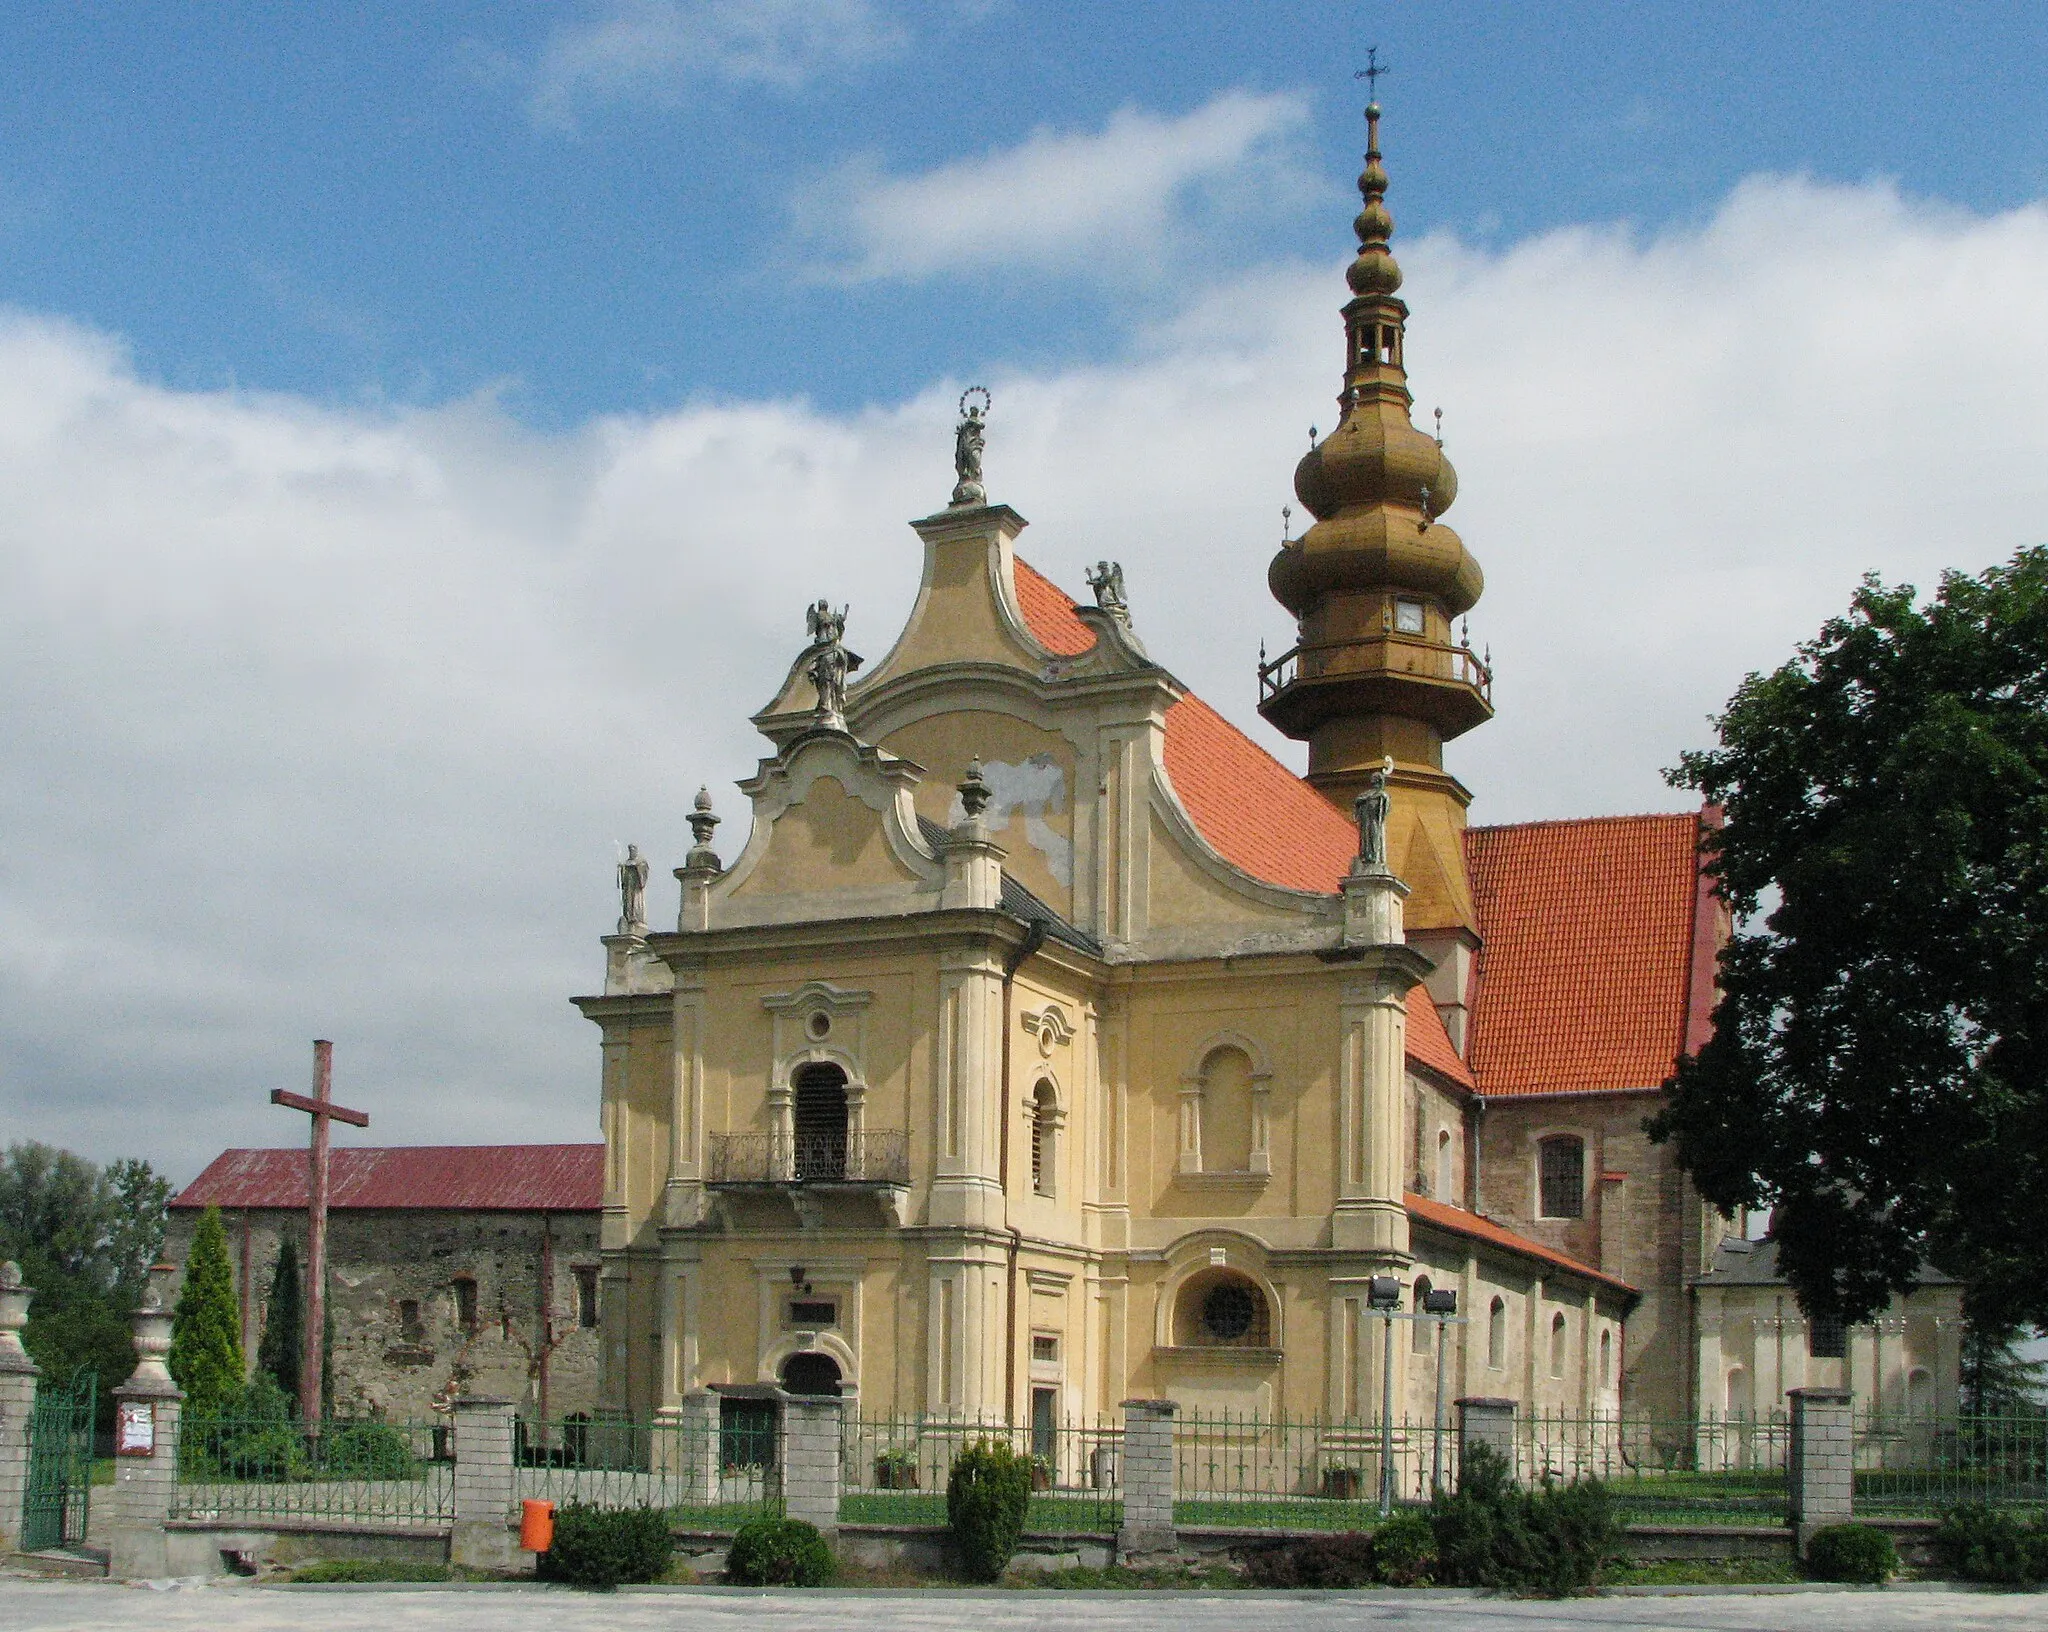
<point x="1375" y="585"/>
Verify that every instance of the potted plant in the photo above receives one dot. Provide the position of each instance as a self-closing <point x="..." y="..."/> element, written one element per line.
<point x="1343" y="1484"/>
<point x="1041" y="1473"/>
<point x="896" y="1469"/>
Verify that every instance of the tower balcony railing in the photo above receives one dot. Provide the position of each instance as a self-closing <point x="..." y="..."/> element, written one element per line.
<point x="871" y="1156"/>
<point x="1387" y="653"/>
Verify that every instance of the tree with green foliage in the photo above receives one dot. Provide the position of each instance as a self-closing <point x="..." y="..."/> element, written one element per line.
<point x="206" y="1327"/>
<point x="85" y="1238"/>
<point x="1999" y="1380"/>
<point x="1878" y="1071"/>
<point x="278" y="1354"/>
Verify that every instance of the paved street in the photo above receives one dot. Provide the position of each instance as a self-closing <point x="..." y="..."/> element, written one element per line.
<point x="37" y="1606"/>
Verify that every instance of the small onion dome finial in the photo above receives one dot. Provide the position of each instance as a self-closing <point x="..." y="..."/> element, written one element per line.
<point x="1375" y="271"/>
<point x="974" y="790"/>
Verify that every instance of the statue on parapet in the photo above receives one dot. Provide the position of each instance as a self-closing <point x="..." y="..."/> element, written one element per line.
<point x="1106" y="578"/>
<point x="969" y="437"/>
<point x="633" y="892"/>
<point x="830" y="664"/>
<point x="1371" y="808"/>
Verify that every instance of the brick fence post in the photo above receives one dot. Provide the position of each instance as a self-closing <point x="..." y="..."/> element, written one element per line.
<point x="17" y="1403"/>
<point x="1820" y="1462"/>
<point x="697" y="1447"/>
<point x="1148" y="1478"/>
<point x="810" y="1460"/>
<point x="1486" y="1421"/>
<point x="484" y="1484"/>
<point x="146" y="1411"/>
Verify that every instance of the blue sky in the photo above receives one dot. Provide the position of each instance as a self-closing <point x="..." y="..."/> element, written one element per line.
<point x="598" y="206"/>
<point x="422" y="428"/>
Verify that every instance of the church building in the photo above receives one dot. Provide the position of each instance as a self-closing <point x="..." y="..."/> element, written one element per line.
<point x="1035" y="1040"/>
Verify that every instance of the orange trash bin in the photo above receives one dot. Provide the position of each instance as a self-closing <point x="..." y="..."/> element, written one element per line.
<point x="536" y="1526"/>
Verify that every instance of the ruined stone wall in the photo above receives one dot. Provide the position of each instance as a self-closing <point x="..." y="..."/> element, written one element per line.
<point x="387" y="1266"/>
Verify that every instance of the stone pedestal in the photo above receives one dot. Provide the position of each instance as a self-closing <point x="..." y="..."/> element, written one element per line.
<point x="482" y="1537"/>
<point x="1485" y="1421"/>
<point x="1373" y="907"/>
<point x="146" y="1411"/>
<point x="17" y="1403"/>
<point x="1148" y="1479"/>
<point x="1820" y="1462"/>
<point x="810" y="1460"/>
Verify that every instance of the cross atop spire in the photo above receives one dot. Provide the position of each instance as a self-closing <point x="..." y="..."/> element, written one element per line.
<point x="1370" y="73"/>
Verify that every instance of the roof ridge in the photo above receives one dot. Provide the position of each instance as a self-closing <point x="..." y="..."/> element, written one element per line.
<point x="1587" y="821"/>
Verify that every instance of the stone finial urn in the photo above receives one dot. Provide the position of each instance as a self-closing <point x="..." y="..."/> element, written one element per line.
<point x="153" y="1336"/>
<point x="14" y="1298"/>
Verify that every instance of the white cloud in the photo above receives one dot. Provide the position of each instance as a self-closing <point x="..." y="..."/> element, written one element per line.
<point x="326" y="723"/>
<point x="1107" y="202"/>
<point x="651" y="50"/>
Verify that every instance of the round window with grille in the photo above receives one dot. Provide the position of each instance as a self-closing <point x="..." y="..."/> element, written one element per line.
<point x="1228" y="1312"/>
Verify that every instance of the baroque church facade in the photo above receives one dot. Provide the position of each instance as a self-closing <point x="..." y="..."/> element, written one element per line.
<point x="1039" y="1041"/>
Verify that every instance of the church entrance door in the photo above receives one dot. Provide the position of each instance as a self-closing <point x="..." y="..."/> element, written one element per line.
<point x="811" y="1374"/>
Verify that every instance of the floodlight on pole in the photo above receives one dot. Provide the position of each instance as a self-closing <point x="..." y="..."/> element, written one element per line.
<point x="1384" y="1295"/>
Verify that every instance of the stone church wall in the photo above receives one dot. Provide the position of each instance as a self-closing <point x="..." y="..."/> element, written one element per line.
<point x="398" y="1303"/>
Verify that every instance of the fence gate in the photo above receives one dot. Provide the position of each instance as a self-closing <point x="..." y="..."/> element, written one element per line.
<point x="54" y="1509"/>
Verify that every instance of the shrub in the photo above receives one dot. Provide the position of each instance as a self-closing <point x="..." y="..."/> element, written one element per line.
<point x="779" y="1553"/>
<point x="368" y="1450"/>
<point x="1851" y="1552"/>
<point x="1491" y="1533"/>
<point x="206" y="1326"/>
<point x="1344" y="1559"/>
<point x="1404" y="1551"/>
<point x="606" y="1547"/>
<point x="1980" y="1543"/>
<point x="986" y="1495"/>
<point x="249" y="1434"/>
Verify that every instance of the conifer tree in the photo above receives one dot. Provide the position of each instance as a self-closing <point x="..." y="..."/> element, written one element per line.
<point x="277" y="1356"/>
<point x="206" y="1341"/>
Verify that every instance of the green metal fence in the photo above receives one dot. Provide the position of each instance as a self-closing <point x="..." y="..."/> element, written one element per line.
<point x="1301" y="1473"/>
<point x="56" y="1501"/>
<point x="255" y="1469"/>
<point x="1681" y="1470"/>
<point x="707" y="1476"/>
<point x="1909" y="1466"/>
<point x="893" y="1470"/>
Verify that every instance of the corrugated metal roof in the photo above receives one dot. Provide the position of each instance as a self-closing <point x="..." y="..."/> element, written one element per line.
<point x="458" y="1178"/>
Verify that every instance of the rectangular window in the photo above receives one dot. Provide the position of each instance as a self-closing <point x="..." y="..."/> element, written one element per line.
<point x="1044" y="1346"/>
<point x="1827" y="1338"/>
<point x="465" y="1303"/>
<point x="821" y="1312"/>
<point x="586" y="1296"/>
<point x="409" y="1319"/>
<point x="1562" y="1163"/>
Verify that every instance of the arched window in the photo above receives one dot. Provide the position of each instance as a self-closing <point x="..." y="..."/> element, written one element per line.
<point x="1606" y="1359"/>
<point x="820" y="1122"/>
<point x="1559" y="1343"/>
<point x="1045" y="1112"/>
<point x="1497" y="1335"/>
<point x="1221" y="1309"/>
<point x="1227" y="1112"/>
<point x="1738" y="1392"/>
<point x="1561" y="1167"/>
<point x="1446" y="1166"/>
<point x="811" y="1373"/>
<point x="1424" y="1330"/>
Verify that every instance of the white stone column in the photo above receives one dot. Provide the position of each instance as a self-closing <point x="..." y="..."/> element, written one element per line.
<point x="1148" y="1479"/>
<point x="17" y="1403"/>
<point x="485" y="1478"/>
<point x="810" y="1460"/>
<point x="146" y="1411"/>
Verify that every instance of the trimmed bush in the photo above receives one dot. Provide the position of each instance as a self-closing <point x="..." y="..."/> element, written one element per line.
<point x="986" y="1495"/>
<point x="606" y="1547"/>
<point x="1980" y="1543"/>
<point x="1552" y="1541"/>
<point x="780" y="1553"/>
<point x="368" y="1450"/>
<point x="1851" y="1552"/>
<point x="1344" y="1559"/>
<point x="1404" y="1551"/>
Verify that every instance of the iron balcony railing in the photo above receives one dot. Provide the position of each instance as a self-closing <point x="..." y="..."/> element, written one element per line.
<point x="873" y="1156"/>
<point x="1369" y="654"/>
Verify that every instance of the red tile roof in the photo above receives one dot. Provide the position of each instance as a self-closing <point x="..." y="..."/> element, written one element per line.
<point x="1477" y="1227"/>
<point x="463" y="1178"/>
<point x="1594" y="936"/>
<point x="1428" y="1043"/>
<point x="1049" y="613"/>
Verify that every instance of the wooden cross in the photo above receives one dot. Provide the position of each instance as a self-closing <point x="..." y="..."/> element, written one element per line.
<point x="322" y="1109"/>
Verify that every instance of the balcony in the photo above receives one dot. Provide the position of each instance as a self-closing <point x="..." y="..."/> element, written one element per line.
<point x="875" y="1156"/>
<point x="1442" y="683"/>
